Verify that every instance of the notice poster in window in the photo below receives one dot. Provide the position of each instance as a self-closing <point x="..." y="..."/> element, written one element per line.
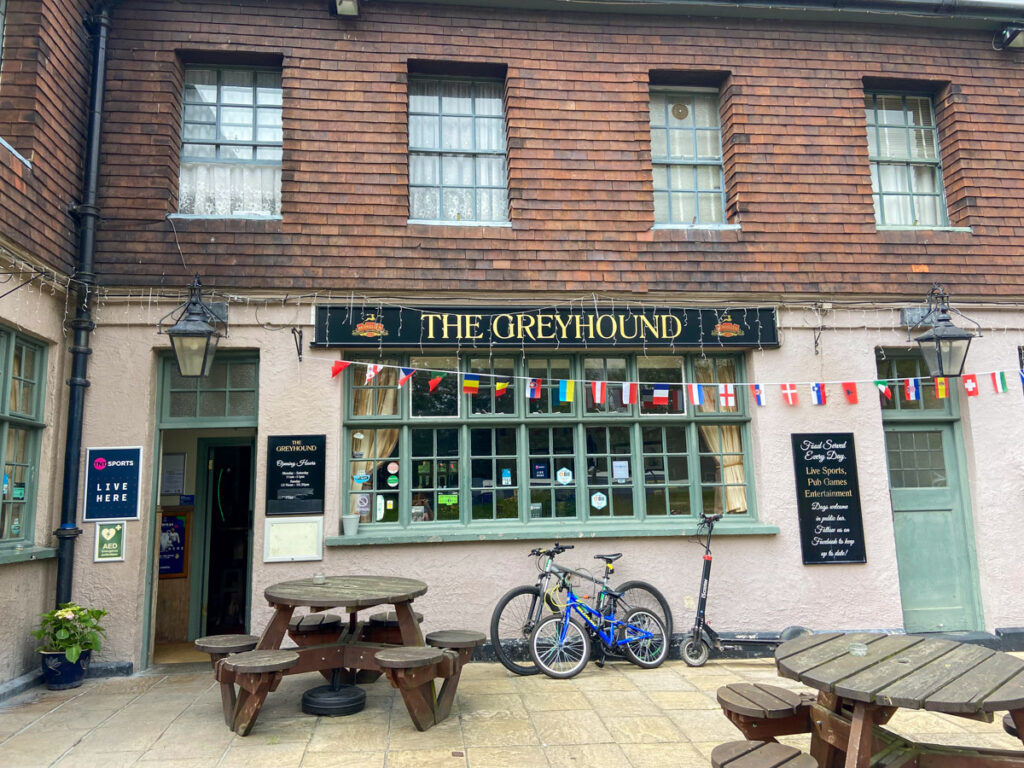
<point x="620" y="471"/>
<point x="174" y="535"/>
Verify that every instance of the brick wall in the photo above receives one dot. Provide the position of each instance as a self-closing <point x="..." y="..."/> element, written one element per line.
<point x="44" y="90"/>
<point x="578" y="154"/>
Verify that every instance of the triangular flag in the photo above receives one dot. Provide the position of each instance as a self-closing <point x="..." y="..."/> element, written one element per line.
<point x="757" y="392"/>
<point x="941" y="387"/>
<point x="970" y="384"/>
<point x="471" y="383"/>
<point x="340" y="365"/>
<point x="850" y="390"/>
<point x="818" y="393"/>
<point x="372" y="370"/>
<point x="696" y="394"/>
<point x="435" y="380"/>
<point x="630" y="392"/>
<point x="406" y="375"/>
<point x="999" y="381"/>
<point x="600" y="391"/>
<point x="500" y="388"/>
<point x="884" y="389"/>
<point x="566" y="390"/>
<point x="660" y="396"/>
<point x="912" y="389"/>
<point x="789" y="392"/>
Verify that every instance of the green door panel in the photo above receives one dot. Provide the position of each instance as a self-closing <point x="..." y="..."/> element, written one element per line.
<point x="933" y="544"/>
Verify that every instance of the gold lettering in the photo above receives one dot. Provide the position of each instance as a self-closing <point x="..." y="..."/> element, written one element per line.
<point x="648" y="325"/>
<point x="582" y="320"/>
<point x="450" y="325"/>
<point x="526" y="327"/>
<point x="622" y="327"/>
<point x="496" y="330"/>
<point x="430" y="318"/>
<point x="545" y="329"/>
<point x="563" y="326"/>
<point x="601" y="332"/>
<point x="473" y="327"/>
<point x="666" y="322"/>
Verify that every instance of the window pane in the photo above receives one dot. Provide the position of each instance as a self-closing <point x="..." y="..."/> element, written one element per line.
<point x="437" y="393"/>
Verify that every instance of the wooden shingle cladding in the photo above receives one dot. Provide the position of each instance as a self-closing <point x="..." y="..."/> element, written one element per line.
<point x="44" y="90"/>
<point x="579" y="169"/>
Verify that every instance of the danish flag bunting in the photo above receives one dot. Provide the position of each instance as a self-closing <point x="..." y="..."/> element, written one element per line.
<point x="340" y="365"/>
<point x="850" y="390"/>
<point x="971" y="385"/>
<point x="757" y="392"/>
<point x="726" y="395"/>
<point x="999" y="381"/>
<point x="912" y="389"/>
<point x="789" y="392"/>
<point x="372" y="370"/>
<point x="818" y="393"/>
<point x="599" y="389"/>
<point x="696" y="394"/>
<point x="406" y="375"/>
<point x="660" y="394"/>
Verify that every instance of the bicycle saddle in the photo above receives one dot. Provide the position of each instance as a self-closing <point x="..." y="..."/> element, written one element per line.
<point x="608" y="558"/>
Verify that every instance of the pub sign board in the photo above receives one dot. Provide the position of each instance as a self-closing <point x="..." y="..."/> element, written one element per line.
<point x="828" y="498"/>
<point x="348" y="326"/>
<point x="112" y="483"/>
<point x="295" y="474"/>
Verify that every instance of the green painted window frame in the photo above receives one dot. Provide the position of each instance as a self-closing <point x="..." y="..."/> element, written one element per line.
<point x="27" y="385"/>
<point x="912" y="123"/>
<point x="677" y="174"/>
<point x="171" y="383"/>
<point x="442" y="151"/>
<point x="897" y="365"/>
<point x="402" y="428"/>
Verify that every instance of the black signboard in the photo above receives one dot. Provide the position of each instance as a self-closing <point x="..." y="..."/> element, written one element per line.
<point x="295" y="474"/>
<point x="112" y="483"/>
<point x="828" y="498"/>
<point x="350" y="326"/>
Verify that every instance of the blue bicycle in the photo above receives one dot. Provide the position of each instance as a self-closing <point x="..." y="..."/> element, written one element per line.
<point x="560" y="644"/>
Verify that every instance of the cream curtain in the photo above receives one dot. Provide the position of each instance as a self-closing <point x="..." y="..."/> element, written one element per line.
<point x="377" y="444"/>
<point x="724" y="439"/>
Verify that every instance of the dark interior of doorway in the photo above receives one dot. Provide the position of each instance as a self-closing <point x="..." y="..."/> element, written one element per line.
<point x="230" y="514"/>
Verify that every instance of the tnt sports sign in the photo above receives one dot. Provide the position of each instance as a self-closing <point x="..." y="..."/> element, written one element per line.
<point x="112" y="483"/>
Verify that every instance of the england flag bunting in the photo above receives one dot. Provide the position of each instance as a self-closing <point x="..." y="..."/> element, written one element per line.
<point x="726" y="395"/>
<point x="818" y="393"/>
<point x="372" y="370"/>
<point x="790" y="394"/>
<point x="696" y="392"/>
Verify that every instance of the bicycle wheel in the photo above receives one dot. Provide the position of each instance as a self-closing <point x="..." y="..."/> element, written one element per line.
<point x="646" y="652"/>
<point x="555" y="656"/>
<point x="512" y="623"/>
<point x="695" y="651"/>
<point x="640" y="594"/>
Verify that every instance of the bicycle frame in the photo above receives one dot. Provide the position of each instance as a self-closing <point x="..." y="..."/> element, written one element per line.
<point x="585" y="612"/>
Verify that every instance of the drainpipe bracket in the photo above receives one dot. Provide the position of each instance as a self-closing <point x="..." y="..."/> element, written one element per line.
<point x="77" y="381"/>
<point x="68" y="533"/>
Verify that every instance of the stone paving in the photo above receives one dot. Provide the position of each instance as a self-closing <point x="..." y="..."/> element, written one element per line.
<point x="619" y="716"/>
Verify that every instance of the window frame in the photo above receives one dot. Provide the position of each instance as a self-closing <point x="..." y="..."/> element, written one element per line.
<point x="668" y="161"/>
<point x="522" y="421"/>
<point x="169" y="375"/>
<point x="907" y="162"/>
<point x="440" y="152"/>
<point x="31" y="422"/>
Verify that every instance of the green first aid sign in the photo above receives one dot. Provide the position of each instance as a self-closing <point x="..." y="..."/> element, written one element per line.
<point x="109" y="541"/>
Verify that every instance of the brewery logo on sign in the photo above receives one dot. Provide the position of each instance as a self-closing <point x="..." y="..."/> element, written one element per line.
<point x="726" y="328"/>
<point x="370" y="328"/>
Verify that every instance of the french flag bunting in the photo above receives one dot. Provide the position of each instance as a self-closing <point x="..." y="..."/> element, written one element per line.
<point x="696" y="394"/>
<point x="630" y="392"/>
<point x="818" y="393"/>
<point x="340" y="365"/>
<point x="533" y="389"/>
<point x="757" y="392"/>
<point x="912" y="389"/>
<point x="726" y="395"/>
<point x="790" y="394"/>
<point x="660" y="394"/>
<point x="599" y="389"/>
<point x="372" y="370"/>
<point x="406" y="375"/>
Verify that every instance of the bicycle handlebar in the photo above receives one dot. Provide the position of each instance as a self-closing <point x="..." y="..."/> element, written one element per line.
<point x="557" y="549"/>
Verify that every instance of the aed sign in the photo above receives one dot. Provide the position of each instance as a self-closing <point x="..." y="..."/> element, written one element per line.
<point x="112" y="483"/>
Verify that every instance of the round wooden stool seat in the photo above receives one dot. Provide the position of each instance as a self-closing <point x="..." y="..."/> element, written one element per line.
<point x="390" y="619"/>
<point x="760" y="700"/>
<point x="758" y="754"/>
<point x="314" y="622"/>
<point x="455" y="638"/>
<point x="408" y="657"/>
<point x="224" y="644"/>
<point x="254" y="662"/>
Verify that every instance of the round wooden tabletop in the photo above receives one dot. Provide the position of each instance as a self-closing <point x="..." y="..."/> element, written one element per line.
<point x="345" y="591"/>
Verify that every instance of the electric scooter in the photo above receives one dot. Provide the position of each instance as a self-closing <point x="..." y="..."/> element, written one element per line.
<point x="702" y="638"/>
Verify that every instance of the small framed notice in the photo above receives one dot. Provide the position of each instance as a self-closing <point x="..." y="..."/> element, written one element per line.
<point x="175" y="530"/>
<point x="109" y="542"/>
<point x="291" y="539"/>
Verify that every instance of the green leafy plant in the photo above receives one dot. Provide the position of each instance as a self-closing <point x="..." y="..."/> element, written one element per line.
<point x="70" y="629"/>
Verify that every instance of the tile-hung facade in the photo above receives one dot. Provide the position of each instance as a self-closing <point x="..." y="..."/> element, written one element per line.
<point x="498" y="277"/>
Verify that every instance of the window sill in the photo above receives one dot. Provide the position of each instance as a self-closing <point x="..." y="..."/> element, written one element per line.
<point x="430" y="223"/>
<point x="232" y="217"/>
<point x="711" y="227"/>
<point x="535" y="531"/>
<point x="884" y="228"/>
<point x="14" y="555"/>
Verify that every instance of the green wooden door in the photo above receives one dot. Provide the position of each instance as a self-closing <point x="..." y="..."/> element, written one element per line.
<point x="934" y="539"/>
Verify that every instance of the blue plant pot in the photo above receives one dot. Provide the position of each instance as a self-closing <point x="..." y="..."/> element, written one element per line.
<point x="60" y="674"/>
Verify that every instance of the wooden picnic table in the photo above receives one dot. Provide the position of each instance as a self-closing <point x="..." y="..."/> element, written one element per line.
<point x="860" y="693"/>
<point x="351" y="650"/>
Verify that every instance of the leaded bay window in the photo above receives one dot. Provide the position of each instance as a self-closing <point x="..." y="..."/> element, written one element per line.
<point x="457" y="170"/>
<point x="231" y="142"/>
<point x="686" y="157"/>
<point x="22" y="366"/>
<point x="903" y="149"/>
<point x="428" y="453"/>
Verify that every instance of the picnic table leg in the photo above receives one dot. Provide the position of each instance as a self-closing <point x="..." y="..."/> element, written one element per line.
<point x="251" y="695"/>
<point x="408" y="626"/>
<point x="420" y="702"/>
<point x="451" y="670"/>
<point x="275" y="630"/>
<point x="858" y="749"/>
<point x="1017" y="716"/>
<point x="227" y="690"/>
<point x="826" y="755"/>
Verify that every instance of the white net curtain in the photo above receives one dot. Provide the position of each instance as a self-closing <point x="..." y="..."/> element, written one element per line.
<point x="230" y="189"/>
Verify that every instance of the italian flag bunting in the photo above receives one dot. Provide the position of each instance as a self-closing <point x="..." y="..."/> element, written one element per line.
<point x="999" y="381"/>
<point x="884" y="389"/>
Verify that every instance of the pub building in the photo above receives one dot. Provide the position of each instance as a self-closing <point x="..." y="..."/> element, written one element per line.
<point x="409" y="288"/>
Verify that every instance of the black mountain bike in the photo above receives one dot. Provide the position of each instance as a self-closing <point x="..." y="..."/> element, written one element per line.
<point x="521" y="608"/>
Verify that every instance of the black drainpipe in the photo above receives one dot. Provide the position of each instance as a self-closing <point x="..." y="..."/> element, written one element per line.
<point x="88" y="215"/>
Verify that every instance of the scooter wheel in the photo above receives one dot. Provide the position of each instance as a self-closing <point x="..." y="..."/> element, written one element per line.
<point x="695" y="652"/>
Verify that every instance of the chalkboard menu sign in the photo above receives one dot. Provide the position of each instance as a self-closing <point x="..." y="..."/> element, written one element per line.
<point x="828" y="498"/>
<point x="295" y="474"/>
